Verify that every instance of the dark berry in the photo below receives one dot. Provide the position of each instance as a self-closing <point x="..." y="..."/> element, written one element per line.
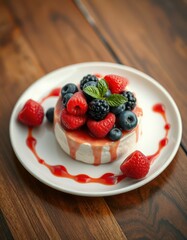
<point x="69" y="88"/>
<point x="115" y="134"/>
<point x="108" y="93"/>
<point x="91" y="83"/>
<point x="98" y="109"/>
<point x="87" y="78"/>
<point x="118" y="109"/>
<point x="131" y="100"/>
<point x="50" y="115"/>
<point x="127" y="120"/>
<point x="66" y="98"/>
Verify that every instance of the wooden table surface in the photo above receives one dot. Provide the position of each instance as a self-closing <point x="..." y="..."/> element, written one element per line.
<point x="37" y="37"/>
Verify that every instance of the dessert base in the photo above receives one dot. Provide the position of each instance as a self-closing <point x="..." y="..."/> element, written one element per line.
<point x="85" y="148"/>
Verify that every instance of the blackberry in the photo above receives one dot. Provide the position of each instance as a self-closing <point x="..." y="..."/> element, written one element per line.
<point x="86" y="79"/>
<point x="98" y="109"/>
<point x="131" y="100"/>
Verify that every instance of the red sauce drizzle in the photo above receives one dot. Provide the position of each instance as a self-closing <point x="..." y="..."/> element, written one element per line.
<point x="54" y="93"/>
<point x="107" y="178"/>
<point x="160" y="108"/>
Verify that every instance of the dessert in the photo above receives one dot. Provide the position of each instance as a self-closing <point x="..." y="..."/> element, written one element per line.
<point x="98" y="121"/>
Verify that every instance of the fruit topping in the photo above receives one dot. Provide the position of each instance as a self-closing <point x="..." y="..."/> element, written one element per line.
<point x="118" y="109"/>
<point x="98" y="109"/>
<point x="136" y="165"/>
<point x="69" y="88"/>
<point x="108" y="93"/>
<point x="127" y="120"/>
<point x="86" y="79"/>
<point x="91" y="83"/>
<point x="116" y="83"/>
<point x="105" y="102"/>
<point x="131" y="100"/>
<point x="66" y="98"/>
<point x="115" y="134"/>
<point x="32" y="114"/>
<point x="101" y="92"/>
<point x="50" y="115"/>
<point x="101" y="128"/>
<point x="70" y="121"/>
<point x="77" y="104"/>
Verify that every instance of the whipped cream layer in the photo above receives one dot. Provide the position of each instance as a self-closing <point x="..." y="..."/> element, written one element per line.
<point x="81" y="146"/>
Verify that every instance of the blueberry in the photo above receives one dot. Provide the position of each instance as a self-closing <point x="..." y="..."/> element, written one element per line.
<point x="127" y="120"/>
<point x="66" y="98"/>
<point x="50" y="115"/>
<point x="90" y="83"/>
<point x="117" y="110"/>
<point x="108" y="93"/>
<point x="69" y="88"/>
<point x="115" y="134"/>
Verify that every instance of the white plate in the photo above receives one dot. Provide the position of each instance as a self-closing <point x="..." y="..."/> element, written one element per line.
<point x="148" y="92"/>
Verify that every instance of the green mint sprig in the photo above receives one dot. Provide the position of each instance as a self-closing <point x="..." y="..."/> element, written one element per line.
<point x="114" y="100"/>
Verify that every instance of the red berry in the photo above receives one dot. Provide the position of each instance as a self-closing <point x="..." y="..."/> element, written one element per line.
<point x="116" y="83"/>
<point x="70" y="121"/>
<point x="136" y="165"/>
<point x="32" y="114"/>
<point x="77" y="104"/>
<point x="101" y="128"/>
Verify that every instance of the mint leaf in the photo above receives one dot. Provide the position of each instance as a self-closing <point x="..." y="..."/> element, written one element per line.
<point x="115" y="100"/>
<point x="92" y="91"/>
<point x="103" y="87"/>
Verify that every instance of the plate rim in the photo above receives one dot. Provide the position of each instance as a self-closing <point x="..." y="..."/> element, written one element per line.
<point x="115" y="191"/>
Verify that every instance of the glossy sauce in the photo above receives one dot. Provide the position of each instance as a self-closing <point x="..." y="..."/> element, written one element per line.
<point x="107" y="178"/>
<point x="81" y="136"/>
<point x="160" y="109"/>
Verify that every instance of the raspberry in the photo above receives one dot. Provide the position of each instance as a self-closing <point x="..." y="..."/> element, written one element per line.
<point x="116" y="83"/>
<point x="136" y="165"/>
<point x="32" y="114"/>
<point x="98" y="109"/>
<point x="101" y="128"/>
<point x="77" y="104"/>
<point x="86" y="79"/>
<point x="70" y="121"/>
<point x="131" y="103"/>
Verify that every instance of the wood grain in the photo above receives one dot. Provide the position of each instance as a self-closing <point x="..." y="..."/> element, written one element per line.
<point x="59" y="30"/>
<point x="150" y="36"/>
<point x="31" y="209"/>
<point x="157" y="210"/>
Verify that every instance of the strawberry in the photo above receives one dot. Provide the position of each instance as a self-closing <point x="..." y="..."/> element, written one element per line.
<point x="31" y="114"/>
<point x="136" y="165"/>
<point x="116" y="83"/>
<point x="101" y="128"/>
<point x="77" y="104"/>
<point x="70" y="121"/>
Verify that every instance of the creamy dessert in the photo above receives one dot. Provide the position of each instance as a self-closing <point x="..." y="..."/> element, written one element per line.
<point x="98" y="121"/>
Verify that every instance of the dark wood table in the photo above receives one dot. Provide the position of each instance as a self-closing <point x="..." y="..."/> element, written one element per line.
<point x="37" y="37"/>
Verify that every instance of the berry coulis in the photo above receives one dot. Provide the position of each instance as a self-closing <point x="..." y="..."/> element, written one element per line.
<point x="107" y="178"/>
